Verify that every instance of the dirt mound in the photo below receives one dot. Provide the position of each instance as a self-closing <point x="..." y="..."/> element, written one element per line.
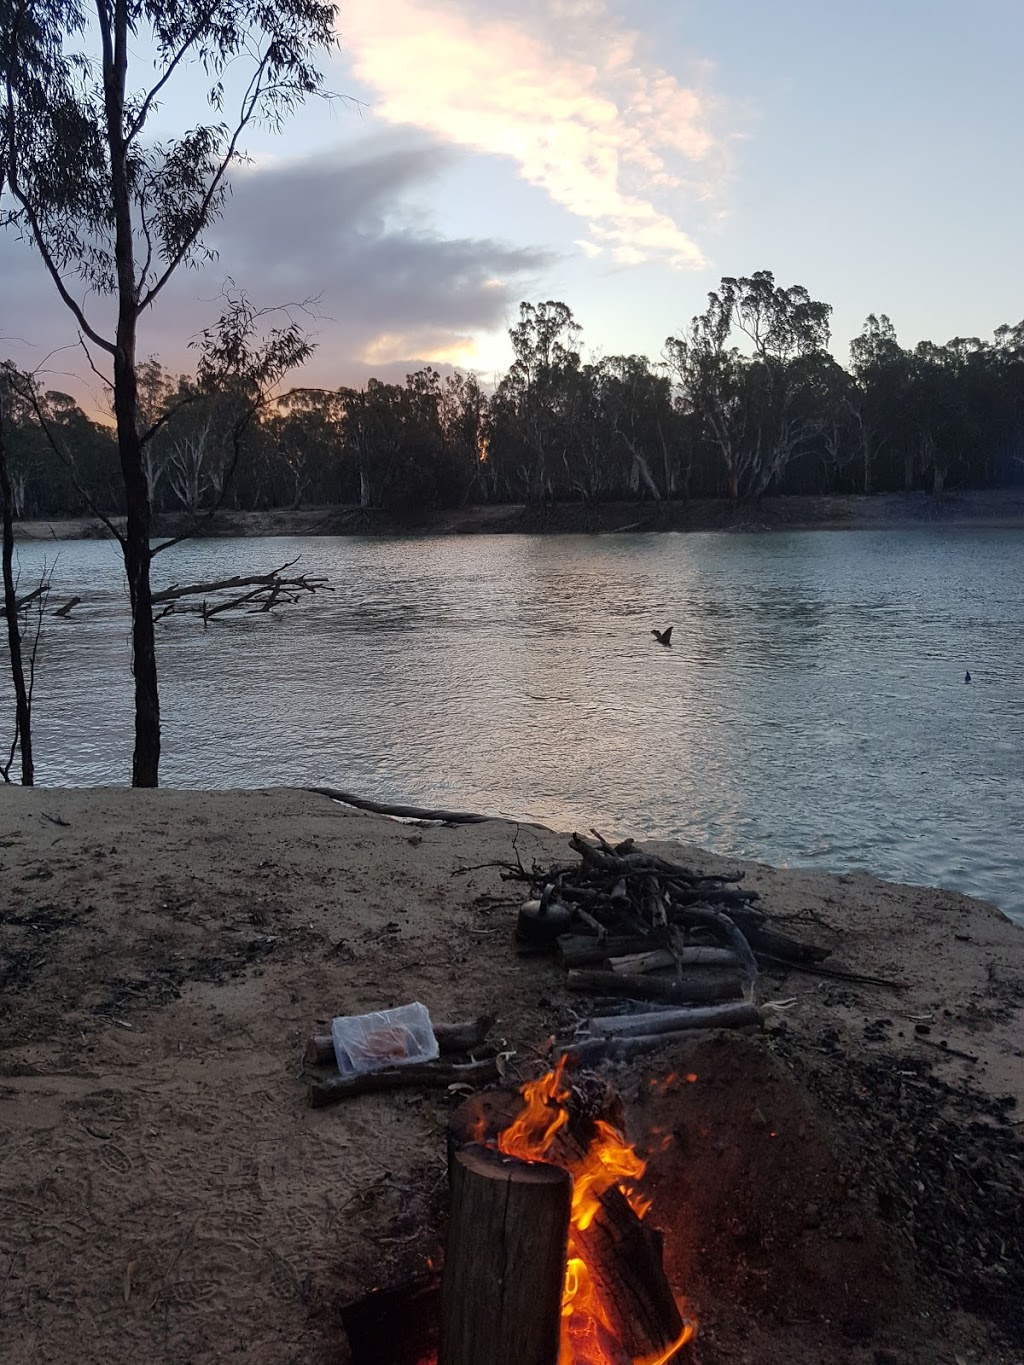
<point x="762" y="1204"/>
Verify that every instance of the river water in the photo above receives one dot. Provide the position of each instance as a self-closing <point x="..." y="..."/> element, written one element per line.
<point x="812" y="709"/>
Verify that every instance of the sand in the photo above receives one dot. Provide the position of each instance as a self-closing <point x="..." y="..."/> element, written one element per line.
<point x="840" y="1187"/>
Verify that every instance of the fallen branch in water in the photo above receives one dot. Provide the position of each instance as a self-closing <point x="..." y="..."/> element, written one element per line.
<point x="262" y="592"/>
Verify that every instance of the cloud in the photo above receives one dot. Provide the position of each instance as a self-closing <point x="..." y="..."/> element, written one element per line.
<point x="560" y="87"/>
<point x="341" y="228"/>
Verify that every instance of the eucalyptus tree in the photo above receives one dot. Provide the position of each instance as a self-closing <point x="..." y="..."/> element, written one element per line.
<point x="758" y="410"/>
<point x="119" y="210"/>
<point x="883" y="371"/>
<point x="637" y="408"/>
<point x="533" y="406"/>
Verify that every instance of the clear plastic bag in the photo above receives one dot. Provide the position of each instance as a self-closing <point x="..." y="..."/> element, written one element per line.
<point x="373" y="1042"/>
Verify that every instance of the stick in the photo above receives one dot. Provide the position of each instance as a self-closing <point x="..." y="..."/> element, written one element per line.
<point x="448" y="817"/>
<point x="725" y="987"/>
<point x="836" y="973"/>
<point x="459" y="1037"/>
<point x="676" y="1021"/>
<point x="428" y="1075"/>
<point x="638" y="963"/>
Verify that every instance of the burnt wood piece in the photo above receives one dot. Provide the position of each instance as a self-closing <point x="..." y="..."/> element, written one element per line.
<point x="705" y="988"/>
<point x="504" y="1267"/>
<point x="395" y="1326"/>
<point x="623" y="1254"/>
<point x="740" y="1015"/>
<point x="458" y="1037"/>
<point x="417" y="1075"/>
<point x="764" y="940"/>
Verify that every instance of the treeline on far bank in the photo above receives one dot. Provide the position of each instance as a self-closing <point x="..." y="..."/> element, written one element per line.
<point x="747" y="401"/>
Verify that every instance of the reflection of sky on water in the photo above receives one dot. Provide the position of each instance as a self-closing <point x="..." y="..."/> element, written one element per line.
<point x="811" y="708"/>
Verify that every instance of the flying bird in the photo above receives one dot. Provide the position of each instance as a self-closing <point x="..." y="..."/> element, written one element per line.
<point x="967" y="677"/>
<point x="663" y="637"/>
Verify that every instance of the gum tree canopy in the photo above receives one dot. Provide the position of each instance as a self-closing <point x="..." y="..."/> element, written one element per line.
<point x="113" y="210"/>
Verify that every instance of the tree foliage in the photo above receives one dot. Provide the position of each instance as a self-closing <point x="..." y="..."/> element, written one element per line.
<point x="778" y="415"/>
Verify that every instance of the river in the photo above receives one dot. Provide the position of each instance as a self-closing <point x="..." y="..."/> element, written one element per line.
<point x="811" y="710"/>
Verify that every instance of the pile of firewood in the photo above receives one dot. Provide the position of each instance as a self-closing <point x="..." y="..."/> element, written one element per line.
<point x="662" y="948"/>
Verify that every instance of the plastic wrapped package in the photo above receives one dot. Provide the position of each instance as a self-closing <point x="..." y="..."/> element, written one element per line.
<point x="372" y="1042"/>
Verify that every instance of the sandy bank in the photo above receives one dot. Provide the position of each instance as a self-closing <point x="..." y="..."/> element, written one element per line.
<point x="166" y="1195"/>
<point x="997" y="508"/>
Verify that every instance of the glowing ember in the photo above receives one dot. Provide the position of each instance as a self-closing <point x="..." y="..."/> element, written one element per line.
<point x="587" y="1334"/>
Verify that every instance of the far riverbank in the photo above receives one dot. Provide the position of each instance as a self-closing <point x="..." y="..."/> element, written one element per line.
<point x="1002" y="508"/>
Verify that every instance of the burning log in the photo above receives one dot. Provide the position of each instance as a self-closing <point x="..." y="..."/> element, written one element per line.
<point x="425" y="1075"/>
<point x="501" y="1292"/>
<point x="459" y="1037"/>
<point x="688" y="991"/>
<point x="618" y="1305"/>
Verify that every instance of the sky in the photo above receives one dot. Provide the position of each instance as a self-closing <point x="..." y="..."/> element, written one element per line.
<point x="619" y="156"/>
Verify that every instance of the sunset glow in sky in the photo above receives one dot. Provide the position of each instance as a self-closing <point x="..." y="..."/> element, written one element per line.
<point x="621" y="157"/>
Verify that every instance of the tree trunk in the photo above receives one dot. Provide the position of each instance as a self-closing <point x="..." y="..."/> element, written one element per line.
<point x="501" y="1294"/>
<point x="23" y="713"/>
<point x="137" y="554"/>
<point x="137" y="560"/>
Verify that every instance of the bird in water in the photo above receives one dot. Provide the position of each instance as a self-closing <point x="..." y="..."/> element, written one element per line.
<point x="663" y="637"/>
<point x="967" y="677"/>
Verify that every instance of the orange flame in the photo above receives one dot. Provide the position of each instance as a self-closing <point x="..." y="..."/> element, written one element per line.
<point x="588" y="1337"/>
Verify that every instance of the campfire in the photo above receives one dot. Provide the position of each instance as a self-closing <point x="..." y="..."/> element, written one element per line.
<point x="548" y="1260"/>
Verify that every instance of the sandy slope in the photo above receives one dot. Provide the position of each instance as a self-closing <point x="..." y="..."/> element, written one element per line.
<point x="166" y="1195"/>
